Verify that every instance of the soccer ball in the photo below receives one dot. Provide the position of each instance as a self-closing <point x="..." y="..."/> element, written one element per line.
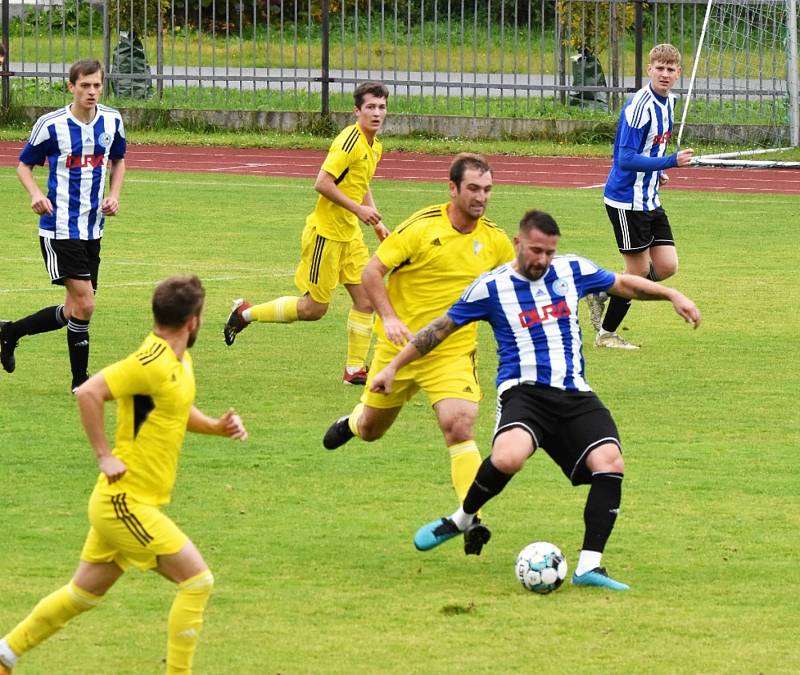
<point x="541" y="567"/>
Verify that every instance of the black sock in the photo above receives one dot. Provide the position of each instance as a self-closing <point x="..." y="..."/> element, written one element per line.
<point x="617" y="309"/>
<point x="78" y="343"/>
<point x="602" y="507"/>
<point x="43" y="321"/>
<point x="652" y="274"/>
<point x="488" y="483"/>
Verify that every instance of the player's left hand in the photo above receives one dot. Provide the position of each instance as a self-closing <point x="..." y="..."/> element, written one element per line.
<point x="110" y="206"/>
<point x="381" y="230"/>
<point x="231" y="425"/>
<point x="382" y="382"/>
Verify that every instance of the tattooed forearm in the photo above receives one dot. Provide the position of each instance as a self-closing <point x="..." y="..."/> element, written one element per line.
<point x="433" y="334"/>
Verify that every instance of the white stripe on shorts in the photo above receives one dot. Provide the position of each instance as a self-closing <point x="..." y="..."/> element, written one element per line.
<point x="52" y="259"/>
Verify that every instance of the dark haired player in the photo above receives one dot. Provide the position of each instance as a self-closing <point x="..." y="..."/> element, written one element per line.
<point x="543" y="397"/>
<point x="81" y="142"/>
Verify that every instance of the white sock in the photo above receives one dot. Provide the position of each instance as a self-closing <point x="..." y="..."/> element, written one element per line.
<point x="7" y="656"/>
<point x="247" y="315"/>
<point x="588" y="561"/>
<point x="461" y="519"/>
<point x="603" y="332"/>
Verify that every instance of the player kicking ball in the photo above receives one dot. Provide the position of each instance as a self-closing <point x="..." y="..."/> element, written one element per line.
<point x="543" y="398"/>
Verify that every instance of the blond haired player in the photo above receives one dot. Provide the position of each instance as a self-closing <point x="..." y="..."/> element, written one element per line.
<point x="641" y="227"/>
<point x="154" y="388"/>
<point x="430" y="258"/>
<point x="333" y="248"/>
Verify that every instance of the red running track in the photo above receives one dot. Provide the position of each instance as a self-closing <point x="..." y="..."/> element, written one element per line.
<point x="561" y="172"/>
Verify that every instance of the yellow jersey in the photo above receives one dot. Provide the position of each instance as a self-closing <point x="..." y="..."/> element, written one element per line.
<point x="155" y="393"/>
<point x="431" y="263"/>
<point x="352" y="162"/>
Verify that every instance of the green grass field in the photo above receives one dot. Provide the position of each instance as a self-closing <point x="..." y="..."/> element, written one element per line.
<point x="312" y="552"/>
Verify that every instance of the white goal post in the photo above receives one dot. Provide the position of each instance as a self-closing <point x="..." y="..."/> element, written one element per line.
<point x="747" y="55"/>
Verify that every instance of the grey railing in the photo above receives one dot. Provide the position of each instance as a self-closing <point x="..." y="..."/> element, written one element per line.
<point x="476" y="58"/>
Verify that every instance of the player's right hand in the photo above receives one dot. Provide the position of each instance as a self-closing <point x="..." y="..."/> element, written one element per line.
<point x="41" y="204"/>
<point x="113" y="468"/>
<point x="396" y="331"/>
<point x="382" y="382"/>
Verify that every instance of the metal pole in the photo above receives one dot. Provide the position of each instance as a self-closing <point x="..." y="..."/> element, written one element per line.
<point x="326" y="70"/>
<point x="793" y="75"/>
<point x="638" y="46"/>
<point x="159" y="52"/>
<point x="106" y="40"/>
<point x="5" y="58"/>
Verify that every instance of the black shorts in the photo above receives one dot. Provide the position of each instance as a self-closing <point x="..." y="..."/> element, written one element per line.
<point x="639" y="230"/>
<point x="568" y="425"/>
<point x="71" y="259"/>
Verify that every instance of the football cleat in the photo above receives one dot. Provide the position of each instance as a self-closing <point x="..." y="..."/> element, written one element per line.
<point x="7" y="348"/>
<point x="596" y="301"/>
<point x="434" y="533"/>
<point x="338" y="433"/>
<point x="235" y="323"/>
<point x="475" y="537"/>
<point x="357" y="376"/>
<point x="613" y="341"/>
<point x="598" y="577"/>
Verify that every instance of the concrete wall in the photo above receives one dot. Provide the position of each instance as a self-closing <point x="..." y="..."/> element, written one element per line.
<point x="495" y="128"/>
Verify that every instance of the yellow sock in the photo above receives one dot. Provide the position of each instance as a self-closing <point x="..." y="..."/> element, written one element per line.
<point x="279" y="310"/>
<point x="464" y="463"/>
<point x="186" y="620"/>
<point x="359" y="333"/>
<point x="352" y="421"/>
<point x="50" y="615"/>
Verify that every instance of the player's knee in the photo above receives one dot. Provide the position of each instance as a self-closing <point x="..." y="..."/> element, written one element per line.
<point x="83" y="307"/>
<point x="508" y="459"/>
<point x="310" y="310"/>
<point x="368" y="431"/>
<point x="666" y="271"/>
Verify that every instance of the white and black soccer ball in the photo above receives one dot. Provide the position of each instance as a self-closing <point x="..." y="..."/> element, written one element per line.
<point x="541" y="567"/>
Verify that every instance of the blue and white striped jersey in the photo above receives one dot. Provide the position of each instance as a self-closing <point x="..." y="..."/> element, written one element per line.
<point x="645" y="127"/>
<point x="535" y="323"/>
<point x="78" y="156"/>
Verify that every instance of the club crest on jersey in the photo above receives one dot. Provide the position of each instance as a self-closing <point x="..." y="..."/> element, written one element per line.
<point x="530" y="317"/>
<point x="80" y="161"/>
<point x="561" y="287"/>
<point x="476" y="247"/>
<point x="104" y="140"/>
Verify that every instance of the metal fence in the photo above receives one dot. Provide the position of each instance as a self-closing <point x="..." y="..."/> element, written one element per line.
<point x="478" y="58"/>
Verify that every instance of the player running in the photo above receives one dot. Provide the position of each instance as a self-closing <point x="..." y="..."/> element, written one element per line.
<point x="333" y="248"/>
<point x="429" y="258"/>
<point x="155" y="389"/>
<point x="641" y="227"/>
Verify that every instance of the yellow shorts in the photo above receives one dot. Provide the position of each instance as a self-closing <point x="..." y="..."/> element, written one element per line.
<point x="325" y="263"/>
<point x="128" y="532"/>
<point x="440" y="377"/>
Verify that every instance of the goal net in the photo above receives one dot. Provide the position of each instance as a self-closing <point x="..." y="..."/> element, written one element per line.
<point x="744" y="80"/>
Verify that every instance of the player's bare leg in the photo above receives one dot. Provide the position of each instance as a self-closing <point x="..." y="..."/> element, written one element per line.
<point x="365" y="422"/>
